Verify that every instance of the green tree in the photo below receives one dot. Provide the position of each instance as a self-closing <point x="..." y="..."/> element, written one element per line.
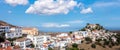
<point x="106" y="42"/>
<point x="88" y="39"/>
<point x="75" y="45"/>
<point x="2" y="39"/>
<point x="74" y="48"/>
<point x="98" y="40"/>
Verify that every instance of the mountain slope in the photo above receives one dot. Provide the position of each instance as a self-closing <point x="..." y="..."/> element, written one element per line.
<point x="2" y="23"/>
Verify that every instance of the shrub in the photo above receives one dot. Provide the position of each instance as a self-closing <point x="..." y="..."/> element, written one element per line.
<point x="74" y="48"/>
<point x="50" y="48"/>
<point x="74" y="45"/>
<point x="106" y="42"/>
<point x="88" y="39"/>
<point x="93" y="46"/>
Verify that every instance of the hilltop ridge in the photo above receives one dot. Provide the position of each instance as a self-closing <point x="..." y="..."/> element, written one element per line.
<point x="2" y="23"/>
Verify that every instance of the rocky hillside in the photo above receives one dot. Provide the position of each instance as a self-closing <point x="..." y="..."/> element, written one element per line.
<point x="2" y="23"/>
<point x="92" y="27"/>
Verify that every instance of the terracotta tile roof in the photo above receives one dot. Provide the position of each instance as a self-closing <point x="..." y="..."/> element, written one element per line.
<point x="30" y="49"/>
<point x="29" y="28"/>
<point x="2" y="48"/>
<point x="7" y="48"/>
<point x="44" y="46"/>
<point x="16" y="47"/>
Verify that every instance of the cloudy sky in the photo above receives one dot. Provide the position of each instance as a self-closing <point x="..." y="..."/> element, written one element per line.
<point x="61" y="15"/>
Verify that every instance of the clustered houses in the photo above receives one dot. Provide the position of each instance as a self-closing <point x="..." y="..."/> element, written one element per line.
<point x="98" y="33"/>
<point x="16" y="34"/>
<point x="60" y="40"/>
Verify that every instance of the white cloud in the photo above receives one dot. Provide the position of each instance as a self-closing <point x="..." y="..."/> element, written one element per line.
<point x="9" y="12"/>
<point x="51" y="7"/>
<point x="86" y="11"/>
<point x="75" y="21"/>
<point x="55" y="25"/>
<point x="16" y="2"/>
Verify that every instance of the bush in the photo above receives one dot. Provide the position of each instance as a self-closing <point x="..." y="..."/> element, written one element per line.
<point x="106" y="42"/>
<point x="74" y="48"/>
<point x="74" y="45"/>
<point x="88" y="39"/>
<point x="98" y="40"/>
<point x="93" y="46"/>
<point x="50" y="48"/>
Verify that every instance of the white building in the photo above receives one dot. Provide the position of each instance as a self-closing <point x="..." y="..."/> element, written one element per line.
<point x="23" y="43"/>
<point x="81" y="33"/>
<point x="39" y="40"/>
<point x="4" y="29"/>
<point x="5" y="44"/>
<point x="14" y="32"/>
<point x="64" y="37"/>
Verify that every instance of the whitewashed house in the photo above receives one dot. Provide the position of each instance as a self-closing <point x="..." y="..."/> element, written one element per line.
<point x="23" y="43"/>
<point x="39" y="40"/>
<point x="5" y="44"/>
<point x="14" y="32"/>
<point x="4" y="29"/>
<point x="64" y="37"/>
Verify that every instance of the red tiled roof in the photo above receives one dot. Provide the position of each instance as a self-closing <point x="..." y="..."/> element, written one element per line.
<point x="7" y="48"/>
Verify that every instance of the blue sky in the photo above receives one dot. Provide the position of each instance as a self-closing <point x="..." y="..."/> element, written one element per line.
<point x="61" y="15"/>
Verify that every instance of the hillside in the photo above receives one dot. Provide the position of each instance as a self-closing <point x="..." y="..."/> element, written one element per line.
<point x="2" y="23"/>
